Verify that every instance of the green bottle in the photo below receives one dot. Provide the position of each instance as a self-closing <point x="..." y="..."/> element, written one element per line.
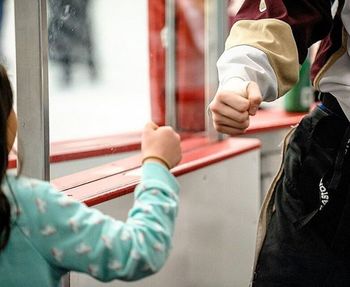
<point x="300" y="97"/>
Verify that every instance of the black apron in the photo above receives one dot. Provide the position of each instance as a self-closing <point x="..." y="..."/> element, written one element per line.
<point x="307" y="240"/>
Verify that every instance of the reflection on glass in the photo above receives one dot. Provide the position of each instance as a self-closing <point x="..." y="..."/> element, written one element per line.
<point x="98" y="68"/>
<point x="189" y="57"/>
<point x="190" y="67"/>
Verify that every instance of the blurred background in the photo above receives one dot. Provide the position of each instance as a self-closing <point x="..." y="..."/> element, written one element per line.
<point x="98" y="65"/>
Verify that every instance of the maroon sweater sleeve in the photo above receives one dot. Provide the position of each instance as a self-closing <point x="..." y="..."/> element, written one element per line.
<point x="310" y="20"/>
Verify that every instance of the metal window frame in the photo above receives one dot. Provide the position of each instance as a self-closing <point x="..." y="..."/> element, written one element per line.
<point x="32" y="87"/>
<point x="216" y="30"/>
<point x="170" y="64"/>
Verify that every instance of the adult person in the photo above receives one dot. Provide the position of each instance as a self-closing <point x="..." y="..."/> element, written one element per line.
<point x="303" y="233"/>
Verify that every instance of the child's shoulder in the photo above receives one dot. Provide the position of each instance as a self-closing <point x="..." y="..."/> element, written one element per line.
<point x="28" y="196"/>
<point x="22" y="187"/>
<point x="23" y="183"/>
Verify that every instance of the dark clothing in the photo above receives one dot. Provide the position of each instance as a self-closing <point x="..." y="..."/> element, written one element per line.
<point x="303" y="234"/>
<point x="308" y="237"/>
<point x="309" y="20"/>
<point x="70" y="34"/>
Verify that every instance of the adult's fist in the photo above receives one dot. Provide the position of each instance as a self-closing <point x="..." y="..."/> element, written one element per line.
<point x="231" y="110"/>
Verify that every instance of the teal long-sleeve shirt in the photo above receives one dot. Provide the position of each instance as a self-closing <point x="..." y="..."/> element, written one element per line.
<point x="52" y="233"/>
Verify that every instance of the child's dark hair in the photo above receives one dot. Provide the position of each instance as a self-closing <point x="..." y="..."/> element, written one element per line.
<point x="6" y="103"/>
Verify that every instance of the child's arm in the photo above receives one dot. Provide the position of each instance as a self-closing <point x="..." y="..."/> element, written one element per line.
<point x="71" y="236"/>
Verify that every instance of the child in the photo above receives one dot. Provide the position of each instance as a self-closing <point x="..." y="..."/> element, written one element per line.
<point x="45" y="234"/>
<point x="303" y="233"/>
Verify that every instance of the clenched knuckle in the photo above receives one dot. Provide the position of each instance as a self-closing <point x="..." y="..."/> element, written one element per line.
<point x="245" y="125"/>
<point x="242" y="117"/>
<point x="244" y="106"/>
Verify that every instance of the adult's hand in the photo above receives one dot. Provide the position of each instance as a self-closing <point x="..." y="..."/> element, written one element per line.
<point x="231" y="111"/>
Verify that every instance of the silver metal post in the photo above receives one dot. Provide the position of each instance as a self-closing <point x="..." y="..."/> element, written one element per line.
<point x="216" y="29"/>
<point x="32" y="87"/>
<point x="170" y="65"/>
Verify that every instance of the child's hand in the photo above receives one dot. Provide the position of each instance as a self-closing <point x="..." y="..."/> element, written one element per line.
<point x="161" y="144"/>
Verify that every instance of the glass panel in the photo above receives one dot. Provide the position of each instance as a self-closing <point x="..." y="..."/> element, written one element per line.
<point x="107" y="66"/>
<point x="98" y="67"/>
<point x="189" y="59"/>
<point x="190" y="65"/>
